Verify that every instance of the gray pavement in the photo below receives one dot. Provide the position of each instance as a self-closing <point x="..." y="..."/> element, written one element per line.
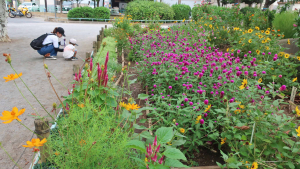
<point x="26" y="60"/>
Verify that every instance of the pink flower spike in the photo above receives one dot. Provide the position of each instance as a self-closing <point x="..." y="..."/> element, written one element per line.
<point x="157" y="149"/>
<point x="154" y="158"/>
<point x="91" y="64"/>
<point x="155" y="141"/>
<point x="161" y="160"/>
<point x="67" y="107"/>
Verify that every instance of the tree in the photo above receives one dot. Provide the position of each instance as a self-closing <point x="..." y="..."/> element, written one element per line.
<point x="218" y="1"/>
<point x="3" y="22"/>
<point x="268" y="3"/>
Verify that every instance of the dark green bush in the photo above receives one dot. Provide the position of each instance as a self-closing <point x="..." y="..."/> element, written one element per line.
<point x="101" y="13"/>
<point x="142" y="10"/>
<point x="250" y="10"/>
<point x="181" y="11"/>
<point x="81" y="12"/>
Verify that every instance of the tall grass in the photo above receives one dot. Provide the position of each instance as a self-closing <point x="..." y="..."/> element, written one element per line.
<point x="284" y="22"/>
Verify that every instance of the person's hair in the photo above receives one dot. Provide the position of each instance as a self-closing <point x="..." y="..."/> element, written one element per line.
<point x="55" y="30"/>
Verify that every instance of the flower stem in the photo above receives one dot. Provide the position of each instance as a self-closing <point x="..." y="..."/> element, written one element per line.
<point x="27" y="128"/>
<point x="27" y="100"/>
<point x="33" y="94"/>
<point x="9" y="156"/>
<point x="57" y="80"/>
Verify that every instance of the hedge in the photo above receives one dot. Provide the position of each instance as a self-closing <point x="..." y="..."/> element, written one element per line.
<point x="181" y="11"/>
<point x="142" y="10"/>
<point x="88" y="12"/>
<point x="81" y="12"/>
<point x="101" y="13"/>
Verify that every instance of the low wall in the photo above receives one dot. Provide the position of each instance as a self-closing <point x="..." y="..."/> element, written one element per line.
<point x="292" y="48"/>
<point x="46" y="14"/>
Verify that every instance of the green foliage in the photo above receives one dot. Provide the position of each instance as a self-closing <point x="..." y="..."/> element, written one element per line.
<point x="181" y="11"/>
<point x="81" y="12"/>
<point x="101" y="13"/>
<point x="249" y="10"/>
<point x="147" y="10"/>
<point x="161" y="148"/>
<point x="284" y="22"/>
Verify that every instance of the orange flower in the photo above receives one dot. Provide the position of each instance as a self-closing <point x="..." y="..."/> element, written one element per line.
<point x="13" y="115"/>
<point x="81" y="105"/>
<point x="35" y="142"/>
<point x="12" y="77"/>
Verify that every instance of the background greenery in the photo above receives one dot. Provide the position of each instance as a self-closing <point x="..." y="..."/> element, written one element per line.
<point x="181" y="11"/>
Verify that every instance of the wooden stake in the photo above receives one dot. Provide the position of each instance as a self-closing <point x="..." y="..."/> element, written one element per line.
<point x="98" y="37"/>
<point x="88" y="55"/>
<point x="43" y="130"/>
<point x="293" y="94"/>
<point x="98" y="45"/>
<point x="105" y="26"/>
<point x="76" y="68"/>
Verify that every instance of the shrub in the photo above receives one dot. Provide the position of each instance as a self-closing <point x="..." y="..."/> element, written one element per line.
<point x="81" y="12"/>
<point x="181" y="11"/>
<point x="250" y="10"/>
<point x="101" y="13"/>
<point x="284" y="22"/>
<point x="142" y="10"/>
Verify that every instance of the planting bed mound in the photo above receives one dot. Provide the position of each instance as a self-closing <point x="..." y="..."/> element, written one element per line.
<point x="205" y="157"/>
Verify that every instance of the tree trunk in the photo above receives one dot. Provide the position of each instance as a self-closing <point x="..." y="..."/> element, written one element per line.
<point x="98" y="3"/>
<point x="268" y="3"/>
<point x="3" y="22"/>
<point x="46" y="5"/>
<point x="61" y="3"/>
<point x="218" y="1"/>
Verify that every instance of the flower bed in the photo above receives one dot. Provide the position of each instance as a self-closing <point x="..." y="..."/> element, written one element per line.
<point x="218" y="98"/>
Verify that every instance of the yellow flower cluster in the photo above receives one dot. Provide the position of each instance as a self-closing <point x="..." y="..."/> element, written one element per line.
<point x="198" y="119"/>
<point x="129" y="106"/>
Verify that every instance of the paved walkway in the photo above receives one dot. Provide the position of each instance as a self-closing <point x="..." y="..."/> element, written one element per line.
<point x="26" y="60"/>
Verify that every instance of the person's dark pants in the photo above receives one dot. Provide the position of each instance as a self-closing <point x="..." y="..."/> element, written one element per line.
<point x="48" y="49"/>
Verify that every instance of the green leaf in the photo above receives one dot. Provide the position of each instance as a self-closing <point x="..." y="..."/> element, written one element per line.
<point x="178" y="142"/>
<point x="102" y="96"/>
<point x="224" y="156"/>
<point x="291" y="165"/>
<point x="111" y="102"/>
<point x="132" y="81"/>
<point x="174" y="163"/>
<point x="147" y="135"/>
<point x="143" y="96"/>
<point x="275" y="103"/>
<point x="136" y="126"/>
<point x="142" y="121"/>
<point x="136" y="144"/>
<point x="164" y="134"/>
<point x="174" y="153"/>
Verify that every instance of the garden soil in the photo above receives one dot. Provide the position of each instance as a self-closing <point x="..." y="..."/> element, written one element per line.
<point x="26" y="60"/>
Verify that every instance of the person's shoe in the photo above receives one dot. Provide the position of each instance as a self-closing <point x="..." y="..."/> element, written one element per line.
<point x="50" y="58"/>
<point x="74" y="58"/>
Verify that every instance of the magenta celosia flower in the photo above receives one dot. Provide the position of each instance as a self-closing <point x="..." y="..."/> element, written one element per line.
<point x="154" y="158"/>
<point x="191" y="103"/>
<point x="162" y="97"/>
<point x="176" y="78"/>
<point x="161" y="160"/>
<point x="262" y="96"/>
<point x="206" y="101"/>
<point x="263" y="72"/>
<point x="274" y="59"/>
<point x="280" y="76"/>
<point x="155" y="141"/>
<point x="176" y="123"/>
<point x="246" y="72"/>
<point x="238" y="51"/>
<point x="67" y="106"/>
<point x="202" y="121"/>
<point x="157" y="149"/>
<point x="186" y="99"/>
<point x="205" y="115"/>
<point x="170" y="87"/>
<point x="249" y="52"/>
<point x="267" y="92"/>
<point x="154" y="86"/>
<point x="231" y="100"/>
<point x="91" y="64"/>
